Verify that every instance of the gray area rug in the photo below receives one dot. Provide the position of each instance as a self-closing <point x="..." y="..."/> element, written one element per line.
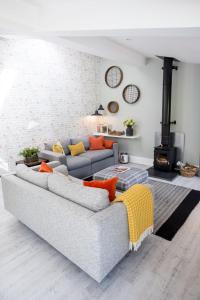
<point x="167" y="197"/>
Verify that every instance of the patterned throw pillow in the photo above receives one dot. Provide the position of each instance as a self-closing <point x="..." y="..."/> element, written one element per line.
<point x="76" y="149"/>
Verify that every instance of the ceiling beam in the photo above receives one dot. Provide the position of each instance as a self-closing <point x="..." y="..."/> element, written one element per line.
<point x="104" y="47"/>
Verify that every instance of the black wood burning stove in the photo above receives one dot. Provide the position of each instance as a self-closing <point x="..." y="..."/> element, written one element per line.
<point x="165" y="154"/>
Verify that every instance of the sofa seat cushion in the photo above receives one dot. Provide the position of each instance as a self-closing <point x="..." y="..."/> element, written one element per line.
<point x="96" y="155"/>
<point x="92" y="198"/>
<point x="76" y="162"/>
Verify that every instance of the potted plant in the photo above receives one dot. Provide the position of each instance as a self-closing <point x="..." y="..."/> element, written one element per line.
<point x="129" y="123"/>
<point x="30" y="154"/>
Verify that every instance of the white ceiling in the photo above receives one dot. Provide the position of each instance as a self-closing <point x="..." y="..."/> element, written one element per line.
<point x="124" y="30"/>
<point x="183" y="46"/>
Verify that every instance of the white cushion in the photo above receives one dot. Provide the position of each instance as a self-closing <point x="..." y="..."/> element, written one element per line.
<point x="94" y="199"/>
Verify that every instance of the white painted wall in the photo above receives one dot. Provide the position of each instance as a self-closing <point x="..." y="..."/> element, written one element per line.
<point x="47" y="92"/>
<point x="186" y="96"/>
<point x="147" y="111"/>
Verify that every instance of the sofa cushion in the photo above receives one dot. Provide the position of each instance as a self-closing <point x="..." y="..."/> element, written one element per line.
<point x="108" y="184"/>
<point x="61" y="169"/>
<point x="44" y="167"/>
<point x="84" y="139"/>
<point x="96" y="143"/>
<point x="58" y="148"/>
<point x="96" y="155"/>
<point x="56" y="167"/>
<point x="77" y="149"/>
<point x="64" y="143"/>
<point x="37" y="178"/>
<point x="92" y="198"/>
<point x="76" y="162"/>
<point x="53" y="164"/>
<point x="108" y="144"/>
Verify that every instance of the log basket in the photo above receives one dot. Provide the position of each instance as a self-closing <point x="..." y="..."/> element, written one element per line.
<point x="188" y="170"/>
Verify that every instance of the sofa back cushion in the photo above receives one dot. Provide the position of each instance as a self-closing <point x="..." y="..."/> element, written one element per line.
<point x="61" y="169"/>
<point x="92" y="198"/>
<point x="84" y="139"/>
<point x="37" y="178"/>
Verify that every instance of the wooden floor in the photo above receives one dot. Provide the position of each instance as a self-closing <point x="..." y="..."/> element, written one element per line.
<point x="31" y="269"/>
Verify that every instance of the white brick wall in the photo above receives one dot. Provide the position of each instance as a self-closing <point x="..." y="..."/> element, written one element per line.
<point x="46" y="85"/>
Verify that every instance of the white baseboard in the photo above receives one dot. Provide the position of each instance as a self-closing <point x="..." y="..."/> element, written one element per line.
<point x="141" y="160"/>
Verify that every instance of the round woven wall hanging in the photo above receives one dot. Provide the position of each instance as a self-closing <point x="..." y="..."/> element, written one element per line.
<point x="113" y="107"/>
<point x="113" y="77"/>
<point x="131" y="93"/>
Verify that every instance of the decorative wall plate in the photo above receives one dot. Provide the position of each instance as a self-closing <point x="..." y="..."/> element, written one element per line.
<point x="131" y="93"/>
<point x="113" y="76"/>
<point x="113" y="107"/>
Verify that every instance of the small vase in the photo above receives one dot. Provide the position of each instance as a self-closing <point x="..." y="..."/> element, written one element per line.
<point x="129" y="131"/>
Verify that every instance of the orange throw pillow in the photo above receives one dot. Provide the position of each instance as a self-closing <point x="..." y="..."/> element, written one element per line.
<point x="45" y="168"/>
<point x="108" y="144"/>
<point x="109" y="185"/>
<point x="96" y="143"/>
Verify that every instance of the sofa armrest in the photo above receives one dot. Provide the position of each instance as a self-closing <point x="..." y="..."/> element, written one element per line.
<point x="50" y="155"/>
<point x="116" y="152"/>
<point x="111" y="235"/>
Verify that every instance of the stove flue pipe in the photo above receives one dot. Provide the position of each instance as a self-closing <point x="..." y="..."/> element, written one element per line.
<point x="166" y="99"/>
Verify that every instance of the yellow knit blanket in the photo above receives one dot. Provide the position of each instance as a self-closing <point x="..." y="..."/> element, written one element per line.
<point x="139" y="204"/>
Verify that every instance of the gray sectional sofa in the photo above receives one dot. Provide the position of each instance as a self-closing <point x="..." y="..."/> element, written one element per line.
<point x="85" y="164"/>
<point x="78" y="221"/>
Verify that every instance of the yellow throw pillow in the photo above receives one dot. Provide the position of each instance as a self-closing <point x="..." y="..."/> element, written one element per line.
<point x="58" y="148"/>
<point x="76" y="149"/>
